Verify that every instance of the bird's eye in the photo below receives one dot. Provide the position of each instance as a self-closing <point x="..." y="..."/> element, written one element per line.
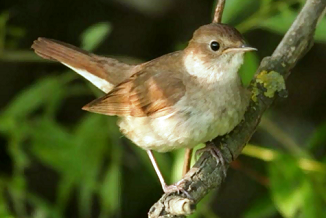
<point x="215" y="46"/>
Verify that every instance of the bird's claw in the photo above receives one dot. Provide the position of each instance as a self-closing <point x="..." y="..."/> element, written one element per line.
<point x="216" y="153"/>
<point x="176" y="188"/>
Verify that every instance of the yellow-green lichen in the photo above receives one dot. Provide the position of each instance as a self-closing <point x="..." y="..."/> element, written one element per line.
<point x="272" y="81"/>
<point x="255" y="92"/>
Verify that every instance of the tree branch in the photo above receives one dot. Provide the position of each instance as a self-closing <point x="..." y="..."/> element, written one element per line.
<point x="267" y="85"/>
<point x="219" y="11"/>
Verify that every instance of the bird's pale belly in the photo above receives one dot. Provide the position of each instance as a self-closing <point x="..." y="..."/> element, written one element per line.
<point x="182" y="129"/>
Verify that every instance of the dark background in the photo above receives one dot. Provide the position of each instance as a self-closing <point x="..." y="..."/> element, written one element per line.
<point x="59" y="161"/>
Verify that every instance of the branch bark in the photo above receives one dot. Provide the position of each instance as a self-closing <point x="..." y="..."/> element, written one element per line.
<point x="206" y="175"/>
<point x="219" y="11"/>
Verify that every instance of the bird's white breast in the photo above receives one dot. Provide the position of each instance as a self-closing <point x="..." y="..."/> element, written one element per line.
<point x="210" y="108"/>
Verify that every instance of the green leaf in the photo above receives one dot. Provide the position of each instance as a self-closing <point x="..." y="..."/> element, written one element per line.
<point x="318" y="137"/>
<point x="55" y="147"/>
<point x="32" y="98"/>
<point x="292" y="191"/>
<point x="43" y="92"/>
<point x="110" y="189"/>
<point x="248" y="69"/>
<point x="4" y="207"/>
<point x="204" y="209"/>
<point x="286" y="193"/>
<point x="95" y="35"/>
<point x="320" y="34"/>
<point x="261" y="208"/>
<point x="4" y="17"/>
<point x="91" y="138"/>
<point x="16" y="31"/>
<point x="110" y="192"/>
<point x="67" y="152"/>
<point x="42" y="208"/>
<point x="64" y="191"/>
<point x="177" y="166"/>
<point x="281" y="22"/>
<point x="86" y="191"/>
<point x="234" y="8"/>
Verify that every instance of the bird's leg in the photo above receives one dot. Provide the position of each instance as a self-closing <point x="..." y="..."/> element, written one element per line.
<point x="187" y="161"/>
<point x="166" y="188"/>
<point x="157" y="170"/>
<point x="215" y="152"/>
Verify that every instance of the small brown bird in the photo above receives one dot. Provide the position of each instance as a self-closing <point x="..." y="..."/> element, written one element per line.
<point x="176" y="101"/>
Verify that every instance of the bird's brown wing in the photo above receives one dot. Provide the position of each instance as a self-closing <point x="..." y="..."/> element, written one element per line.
<point x="143" y="94"/>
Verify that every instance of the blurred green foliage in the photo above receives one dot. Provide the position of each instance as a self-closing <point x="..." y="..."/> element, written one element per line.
<point x="88" y="156"/>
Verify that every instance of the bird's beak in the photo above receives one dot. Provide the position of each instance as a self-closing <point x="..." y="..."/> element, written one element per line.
<point x="242" y="48"/>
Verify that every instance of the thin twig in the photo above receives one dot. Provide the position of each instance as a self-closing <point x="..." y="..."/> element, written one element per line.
<point x="219" y="11"/>
<point x="205" y="175"/>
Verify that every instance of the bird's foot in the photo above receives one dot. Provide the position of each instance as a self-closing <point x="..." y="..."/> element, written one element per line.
<point x="216" y="153"/>
<point x="176" y="188"/>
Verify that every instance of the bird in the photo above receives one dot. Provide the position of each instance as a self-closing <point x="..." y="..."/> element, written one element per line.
<point x="175" y="101"/>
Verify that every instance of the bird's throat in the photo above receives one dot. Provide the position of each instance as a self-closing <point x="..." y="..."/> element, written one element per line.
<point x="223" y="69"/>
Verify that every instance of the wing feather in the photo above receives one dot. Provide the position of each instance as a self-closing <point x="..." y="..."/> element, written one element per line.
<point x="143" y="94"/>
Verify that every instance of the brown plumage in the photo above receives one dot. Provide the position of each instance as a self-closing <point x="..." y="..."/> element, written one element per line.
<point x="105" y="68"/>
<point x="175" y="101"/>
<point x="141" y="95"/>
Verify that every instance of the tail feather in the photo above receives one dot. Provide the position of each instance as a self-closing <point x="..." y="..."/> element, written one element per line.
<point x="103" y="72"/>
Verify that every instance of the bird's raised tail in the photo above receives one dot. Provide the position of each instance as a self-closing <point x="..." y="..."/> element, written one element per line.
<point x="103" y="72"/>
